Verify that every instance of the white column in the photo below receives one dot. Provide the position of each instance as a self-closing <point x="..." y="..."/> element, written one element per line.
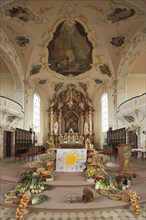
<point x="121" y="96"/>
<point x="19" y="97"/>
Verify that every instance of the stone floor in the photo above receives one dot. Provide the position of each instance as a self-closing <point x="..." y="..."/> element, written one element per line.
<point x="8" y="213"/>
<point x="116" y="214"/>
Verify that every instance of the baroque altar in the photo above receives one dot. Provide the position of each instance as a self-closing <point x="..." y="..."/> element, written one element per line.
<point x="71" y="118"/>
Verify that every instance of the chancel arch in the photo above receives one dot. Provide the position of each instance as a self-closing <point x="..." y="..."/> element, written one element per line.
<point x="9" y="55"/>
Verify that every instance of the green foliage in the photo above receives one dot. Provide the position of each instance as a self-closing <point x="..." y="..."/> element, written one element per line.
<point x="39" y="199"/>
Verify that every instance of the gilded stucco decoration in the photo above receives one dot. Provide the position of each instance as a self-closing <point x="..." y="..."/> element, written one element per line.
<point x="119" y="14"/>
<point x="58" y="86"/>
<point x="70" y="99"/>
<point x="23" y="14"/>
<point x="83" y="86"/>
<point x="117" y="41"/>
<point x="70" y="51"/>
<point x="70" y="11"/>
<point x="71" y="109"/>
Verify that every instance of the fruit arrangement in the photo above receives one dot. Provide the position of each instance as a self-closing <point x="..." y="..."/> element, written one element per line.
<point x="90" y="172"/>
<point x="134" y="202"/>
<point x="35" y="164"/>
<point x="22" y="206"/>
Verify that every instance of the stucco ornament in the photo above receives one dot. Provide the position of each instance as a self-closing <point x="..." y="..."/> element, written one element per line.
<point x="119" y="14"/>
<point x="21" y="13"/>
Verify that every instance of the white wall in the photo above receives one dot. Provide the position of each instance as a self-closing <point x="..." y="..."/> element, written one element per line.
<point x="100" y="136"/>
<point x="6" y="85"/>
<point x="136" y="85"/>
<point x="42" y="136"/>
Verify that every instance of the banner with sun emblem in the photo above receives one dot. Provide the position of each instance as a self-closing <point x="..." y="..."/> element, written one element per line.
<point x="70" y="160"/>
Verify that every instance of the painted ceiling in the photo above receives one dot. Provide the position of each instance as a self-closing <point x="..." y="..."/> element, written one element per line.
<point x="81" y="42"/>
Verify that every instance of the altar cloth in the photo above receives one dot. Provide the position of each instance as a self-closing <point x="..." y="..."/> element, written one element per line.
<point x="71" y="160"/>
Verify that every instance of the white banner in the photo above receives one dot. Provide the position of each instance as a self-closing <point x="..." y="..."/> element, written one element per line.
<point x="70" y="160"/>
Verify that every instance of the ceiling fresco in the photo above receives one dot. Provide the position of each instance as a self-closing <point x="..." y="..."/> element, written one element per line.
<point x="87" y="43"/>
<point x="70" y="51"/>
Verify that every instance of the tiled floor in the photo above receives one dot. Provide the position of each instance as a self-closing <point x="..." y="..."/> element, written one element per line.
<point x="8" y="213"/>
<point x="116" y="214"/>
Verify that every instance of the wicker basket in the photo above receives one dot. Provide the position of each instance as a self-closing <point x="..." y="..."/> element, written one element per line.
<point x="124" y="197"/>
<point x="114" y="196"/>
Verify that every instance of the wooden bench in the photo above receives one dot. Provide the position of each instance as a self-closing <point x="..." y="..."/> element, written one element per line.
<point x="25" y="155"/>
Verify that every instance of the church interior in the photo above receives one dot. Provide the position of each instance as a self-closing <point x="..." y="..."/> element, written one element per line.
<point x="73" y="100"/>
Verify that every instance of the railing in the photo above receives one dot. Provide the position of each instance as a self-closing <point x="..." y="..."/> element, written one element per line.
<point x="133" y="112"/>
<point x="10" y="110"/>
<point x="137" y="102"/>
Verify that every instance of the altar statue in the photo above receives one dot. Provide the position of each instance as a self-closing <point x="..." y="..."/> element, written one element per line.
<point x="56" y="128"/>
<point x="71" y="130"/>
<point x="86" y="128"/>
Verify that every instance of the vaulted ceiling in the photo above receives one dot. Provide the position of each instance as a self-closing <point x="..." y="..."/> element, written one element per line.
<point x="65" y="41"/>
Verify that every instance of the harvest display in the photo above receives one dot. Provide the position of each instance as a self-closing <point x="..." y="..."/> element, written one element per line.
<point x="33" y="183"/>
<point x="114" y="186"/>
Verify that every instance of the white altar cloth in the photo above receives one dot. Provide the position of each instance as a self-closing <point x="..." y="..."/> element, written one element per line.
<point x="70" y="160"/>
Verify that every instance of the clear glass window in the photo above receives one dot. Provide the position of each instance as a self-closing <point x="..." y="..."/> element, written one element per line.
<point x="104" y="112"/>
<point x="36" y="112"/>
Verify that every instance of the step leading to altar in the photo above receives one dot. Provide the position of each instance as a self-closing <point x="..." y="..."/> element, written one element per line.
<point x="66" y="179"/>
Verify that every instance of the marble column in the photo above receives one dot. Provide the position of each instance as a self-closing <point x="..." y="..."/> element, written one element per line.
<point x="90" y="122"/>
<point x="59" y="122"/>
<point x="82" y="123"/>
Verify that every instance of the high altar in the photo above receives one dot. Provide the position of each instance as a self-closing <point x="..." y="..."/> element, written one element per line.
<point x="71" y="118"/>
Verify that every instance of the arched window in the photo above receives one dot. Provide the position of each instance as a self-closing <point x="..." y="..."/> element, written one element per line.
<point x="104" y="112"/>
<point x="36" y="112"/>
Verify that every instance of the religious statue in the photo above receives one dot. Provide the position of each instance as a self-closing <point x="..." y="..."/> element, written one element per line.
<point x="88" y="143"/>
<point x="56" y="128"/>
<point x="86" y="128"/>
